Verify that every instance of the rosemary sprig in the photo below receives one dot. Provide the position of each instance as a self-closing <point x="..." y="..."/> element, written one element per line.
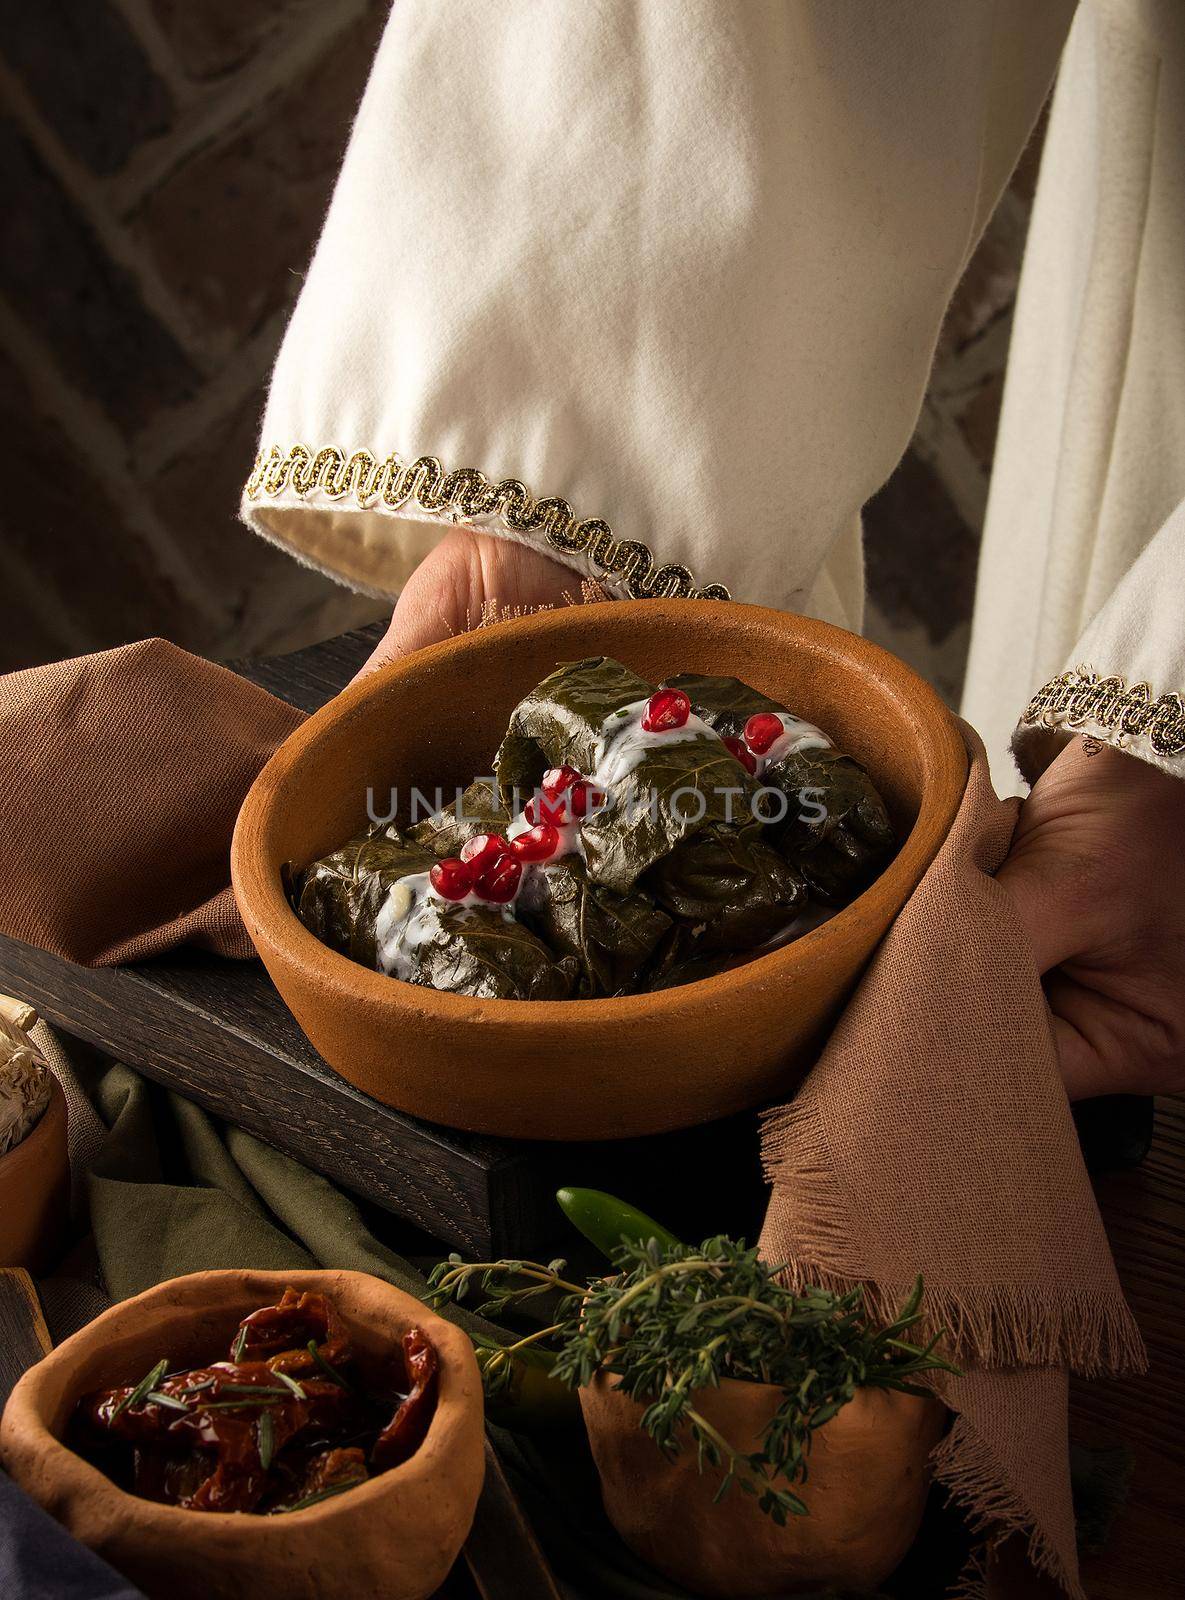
<point x="169" y="1401"/>
<point x="197" y="1388"/>
<point x="147" y="1382"/>
<point x="253" y="1388"/>
<point x="243" y="1402"/>
<point x="330" y="1372"/>
<point x="675" y="1320"/>
<point x="266" y="1439"/>
<point x="322" y="1494"/>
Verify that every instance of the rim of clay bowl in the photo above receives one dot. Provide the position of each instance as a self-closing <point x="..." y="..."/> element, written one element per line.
<point x="432" y="1453"/>
<point x="271" y="920"/>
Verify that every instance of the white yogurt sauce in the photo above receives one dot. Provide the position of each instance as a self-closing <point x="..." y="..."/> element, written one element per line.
<point x="625" y="743"/>
<point x="796" y="735"/>
<point x="408" y="919"/>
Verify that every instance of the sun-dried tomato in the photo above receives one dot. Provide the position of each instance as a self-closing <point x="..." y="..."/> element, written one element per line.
<point x="405" y="1432"/>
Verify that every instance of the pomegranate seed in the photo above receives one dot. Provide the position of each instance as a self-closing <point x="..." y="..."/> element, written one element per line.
<point x="539" y="843"/>
<point x="584" y="797"/>
<point x="761" y="730"/>
<point x="499" y="882"/>
<point x="452" y="878"/>
<point x="483" y="850"/>
<point x="557" y="779"/>
<point x="666" y="709"/>
<point x="543" y="808"/>
<point x="737" y="748"/>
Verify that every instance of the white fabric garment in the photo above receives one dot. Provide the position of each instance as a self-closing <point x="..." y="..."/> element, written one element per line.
<point x="677" y="270"/>
<point x="1090" y="459"/>
<point x="681" y="264"/>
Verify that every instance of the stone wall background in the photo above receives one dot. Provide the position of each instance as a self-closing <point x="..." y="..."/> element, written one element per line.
<point x="166" y="165"/>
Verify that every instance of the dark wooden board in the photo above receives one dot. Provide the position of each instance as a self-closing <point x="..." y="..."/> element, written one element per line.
<point x="24" y="1338"/>
<point x="217" y="1032"/>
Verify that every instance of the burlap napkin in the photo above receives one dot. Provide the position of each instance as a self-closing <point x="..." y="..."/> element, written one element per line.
<point x="123" y="773"/>
<point x="934" y="1136"/>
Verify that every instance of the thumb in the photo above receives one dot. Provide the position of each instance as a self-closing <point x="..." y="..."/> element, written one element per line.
<point x="1046" y="893"/>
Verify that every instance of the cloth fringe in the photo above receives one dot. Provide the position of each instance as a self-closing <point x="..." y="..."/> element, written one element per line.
<point x="983" y="1325"/>
<point x="964" y="1466"/>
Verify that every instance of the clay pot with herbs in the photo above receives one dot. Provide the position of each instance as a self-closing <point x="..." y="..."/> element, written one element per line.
<point x="864" y="1494"/>
<point x="751" y="1438"/>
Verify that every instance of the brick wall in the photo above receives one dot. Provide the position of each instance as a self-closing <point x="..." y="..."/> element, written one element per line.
<point x="166" y="164"/>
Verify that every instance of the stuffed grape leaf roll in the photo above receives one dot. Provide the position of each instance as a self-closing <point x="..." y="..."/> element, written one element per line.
<point x="657" y="786"/>
<point x="834" y="826"/>
<point x="371" y="900"/>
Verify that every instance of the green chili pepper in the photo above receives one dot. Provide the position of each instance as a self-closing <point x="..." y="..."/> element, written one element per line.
<point x="605" y="1221"/>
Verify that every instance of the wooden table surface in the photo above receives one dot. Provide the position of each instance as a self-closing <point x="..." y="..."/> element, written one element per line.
<point x="1144" y="1211"/>
<point x="217" y="1032"/>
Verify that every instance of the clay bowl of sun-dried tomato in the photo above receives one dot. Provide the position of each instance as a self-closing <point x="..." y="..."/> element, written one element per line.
<point x="262" y="1434"/>
<point x="631" y="1063"/>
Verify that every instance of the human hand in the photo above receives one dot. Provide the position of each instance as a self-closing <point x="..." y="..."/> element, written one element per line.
<point x="466" y="571"/>
<point x="1097" y="872"/>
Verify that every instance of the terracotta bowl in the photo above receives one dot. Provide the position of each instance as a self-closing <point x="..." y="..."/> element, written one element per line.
<point x="35" y="1191"/>
<point x="866" y="1492"/>
<point x="394" y="1537"/>
<point x="584" y="1069"/>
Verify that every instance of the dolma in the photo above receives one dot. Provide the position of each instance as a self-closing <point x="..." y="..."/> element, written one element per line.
<point x="340" y="896"/>
<point x="658" y="789"/>
<point x="732" y="888"/>
<point x="625" y="843"/>
<point x="835" y="829"/>
<point x="481" y="951"/>
<point x="348" y="898"/>
<point x="479" y="810"/>
<point x="612" y="937"/>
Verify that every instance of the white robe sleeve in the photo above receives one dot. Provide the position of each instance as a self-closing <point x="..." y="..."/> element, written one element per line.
<point x="654" y="286"/>
<point x="1078" y="603"/>
<point x="1127" y="682"/>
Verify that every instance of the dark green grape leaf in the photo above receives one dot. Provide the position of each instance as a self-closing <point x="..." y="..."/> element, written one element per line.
<point x="611" y="936"/>
<point x="730" y="885"/>
<point x="474" y="951"/>
<point x="479" y="810"/>
<point x="680" y="964"/>
<point x="561" y="722"/>
<point x="836" y="828"/>
<point x="339" y="897"/>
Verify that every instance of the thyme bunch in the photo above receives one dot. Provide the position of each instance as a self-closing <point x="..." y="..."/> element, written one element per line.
<point x="678" y="1319"/>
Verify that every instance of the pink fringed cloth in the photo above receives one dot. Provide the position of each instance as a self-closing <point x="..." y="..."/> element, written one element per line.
<point x="934" y="1136"/>
<point x="123" y="775"/>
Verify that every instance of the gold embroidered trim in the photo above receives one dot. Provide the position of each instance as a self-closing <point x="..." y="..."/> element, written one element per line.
<point x="1075" y="699"/>
<point x="333" y="473"/>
